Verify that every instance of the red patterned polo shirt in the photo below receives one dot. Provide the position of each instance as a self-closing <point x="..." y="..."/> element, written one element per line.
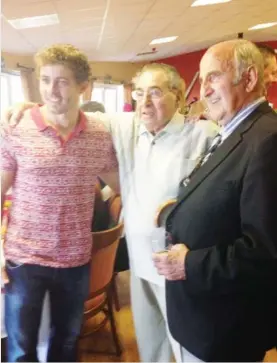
<point x="53" y="190"/>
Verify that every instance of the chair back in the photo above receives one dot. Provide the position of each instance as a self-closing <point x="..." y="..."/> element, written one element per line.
<point x="115" y="207"/>
<point x="105" y="244"/>
<point x="106" y="213"/>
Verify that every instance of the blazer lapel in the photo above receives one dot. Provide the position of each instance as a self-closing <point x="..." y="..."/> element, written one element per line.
<point x="221" y="153"/>
<point x="213" y="162"/>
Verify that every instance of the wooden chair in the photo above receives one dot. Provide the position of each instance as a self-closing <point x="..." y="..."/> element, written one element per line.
<point x="107" y="213"/>
<point x="105" y="244"/>
<point x="115" y="210"/>
<point x="163" y="212"/>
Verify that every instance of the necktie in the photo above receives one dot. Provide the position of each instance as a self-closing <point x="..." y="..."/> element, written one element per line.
<point x="202" y="160"/>
<point x="216" y="142"/>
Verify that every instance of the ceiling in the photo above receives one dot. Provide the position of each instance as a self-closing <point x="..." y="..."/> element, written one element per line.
<point x="116" y="30"/>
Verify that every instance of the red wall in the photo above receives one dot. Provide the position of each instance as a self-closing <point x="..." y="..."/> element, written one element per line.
<point x="188" y="65"/>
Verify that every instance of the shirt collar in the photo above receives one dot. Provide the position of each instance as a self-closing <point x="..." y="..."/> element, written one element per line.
<point x="240" y="116"/>
<point x="175" y="125"/>
<point x="41" y="125"/>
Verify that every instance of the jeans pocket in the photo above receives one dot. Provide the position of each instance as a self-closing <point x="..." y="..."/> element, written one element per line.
<point x="11" y="265"/>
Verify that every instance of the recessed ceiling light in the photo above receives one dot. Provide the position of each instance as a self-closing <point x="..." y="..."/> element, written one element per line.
<point x="35" y="21"/>
<point x="262" y="26"/>
<point x="163" y="40"/>
<point x="208" y="2"/>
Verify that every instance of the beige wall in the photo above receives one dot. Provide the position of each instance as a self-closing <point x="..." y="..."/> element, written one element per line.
<point x="11" y="61"/>
<point x="120" y="71"/>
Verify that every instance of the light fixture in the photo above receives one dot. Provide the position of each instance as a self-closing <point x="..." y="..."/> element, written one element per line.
<point x="208" y="2"/>
<point x="163" y="40"/>
<point x="35" y="21"/>
<point x="262" y="26"/>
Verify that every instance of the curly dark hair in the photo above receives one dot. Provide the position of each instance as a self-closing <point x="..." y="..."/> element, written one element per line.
<point x="68" y="55"/>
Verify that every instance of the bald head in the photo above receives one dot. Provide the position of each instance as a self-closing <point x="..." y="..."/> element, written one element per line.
<point x="231" y="77"/>
<point x="238" y="55"/>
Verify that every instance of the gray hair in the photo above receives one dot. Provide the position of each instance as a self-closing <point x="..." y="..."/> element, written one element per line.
<point x="92" y="106"/>
<point x="175" y="81"/>
<point x="247" y="54"/>
<point x="174" y="78"/>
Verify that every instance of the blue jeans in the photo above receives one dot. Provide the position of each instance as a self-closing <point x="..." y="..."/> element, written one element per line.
<point x="68" y="290"/>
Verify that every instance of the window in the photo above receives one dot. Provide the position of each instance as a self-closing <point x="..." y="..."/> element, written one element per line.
<point x="110" y="95"/>
<point x="11" y="90"/>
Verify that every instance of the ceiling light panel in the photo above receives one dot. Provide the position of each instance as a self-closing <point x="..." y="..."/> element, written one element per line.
<point x="35" y="21"/>
<point x="163" y="40"/>
<point x="262" y="26"/>
<point x="208" y="2"/>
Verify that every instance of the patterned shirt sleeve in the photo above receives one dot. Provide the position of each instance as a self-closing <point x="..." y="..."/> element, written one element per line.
<point x="8" y="159"/>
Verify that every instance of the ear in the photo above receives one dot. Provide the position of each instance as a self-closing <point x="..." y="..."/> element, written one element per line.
<point x="179" y="98"/>
<point x="251" y="78"/>
<point x="83" y="86"/>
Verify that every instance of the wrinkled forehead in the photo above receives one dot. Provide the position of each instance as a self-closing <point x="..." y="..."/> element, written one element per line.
<point x="153" y="78"/>
<point x="217" y="60"/>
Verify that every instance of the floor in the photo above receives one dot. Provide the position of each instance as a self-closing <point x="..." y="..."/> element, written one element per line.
<point x="102" y="340"/>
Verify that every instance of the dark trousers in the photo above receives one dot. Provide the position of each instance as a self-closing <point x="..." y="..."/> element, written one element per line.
<point x="68" y="290"/>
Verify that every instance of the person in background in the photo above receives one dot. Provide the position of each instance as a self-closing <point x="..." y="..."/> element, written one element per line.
<point x="156" y="148"/>
<point x="270" y="65"/>
<point x="92" y="106"/>
<point x="48" y="241"/>
<point x="127" y="107"/>
<point x="221" y="273"/>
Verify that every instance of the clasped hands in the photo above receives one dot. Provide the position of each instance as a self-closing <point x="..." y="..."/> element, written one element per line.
<point x="171" y="263"/>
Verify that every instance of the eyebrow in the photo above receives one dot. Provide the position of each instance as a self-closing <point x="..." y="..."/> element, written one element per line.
<point x="153" y="87"/>
<point x="59" y="78"/>
<point x="210" y="74"/>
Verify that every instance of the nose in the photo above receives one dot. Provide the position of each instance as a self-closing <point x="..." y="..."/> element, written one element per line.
<point x="206" y="90"/>
<point x="146" y="99"/>
<point x="53" y="88"/>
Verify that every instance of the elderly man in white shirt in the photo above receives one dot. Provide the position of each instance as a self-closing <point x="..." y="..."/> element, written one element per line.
<point x="156" y="149"/>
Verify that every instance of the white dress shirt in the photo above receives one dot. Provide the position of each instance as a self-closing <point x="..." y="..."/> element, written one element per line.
<point x="151" y="168"/>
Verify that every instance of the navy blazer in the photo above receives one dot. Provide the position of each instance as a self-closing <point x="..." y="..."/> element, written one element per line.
<point x="225" y="310"/>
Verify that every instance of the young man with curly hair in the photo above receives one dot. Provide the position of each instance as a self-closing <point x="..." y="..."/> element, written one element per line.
<point x="51" y="161"/>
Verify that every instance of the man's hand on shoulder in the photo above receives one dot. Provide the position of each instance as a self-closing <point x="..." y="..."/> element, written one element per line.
<point x="13" y="115"/>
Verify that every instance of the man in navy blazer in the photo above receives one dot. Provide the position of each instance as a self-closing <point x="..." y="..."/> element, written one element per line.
<point x="222" y="270"/>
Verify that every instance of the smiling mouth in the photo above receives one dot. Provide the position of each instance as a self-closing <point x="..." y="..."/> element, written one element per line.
<point x="213" y="101"/>
<point x="147" y="114"/>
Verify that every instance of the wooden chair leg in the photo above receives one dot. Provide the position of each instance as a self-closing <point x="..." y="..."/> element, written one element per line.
<point x="118" y="348"/>
<point x="115" y="293"/>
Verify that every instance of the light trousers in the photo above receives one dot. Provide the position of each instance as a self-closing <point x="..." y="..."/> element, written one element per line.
<point x="154" y="340"/>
